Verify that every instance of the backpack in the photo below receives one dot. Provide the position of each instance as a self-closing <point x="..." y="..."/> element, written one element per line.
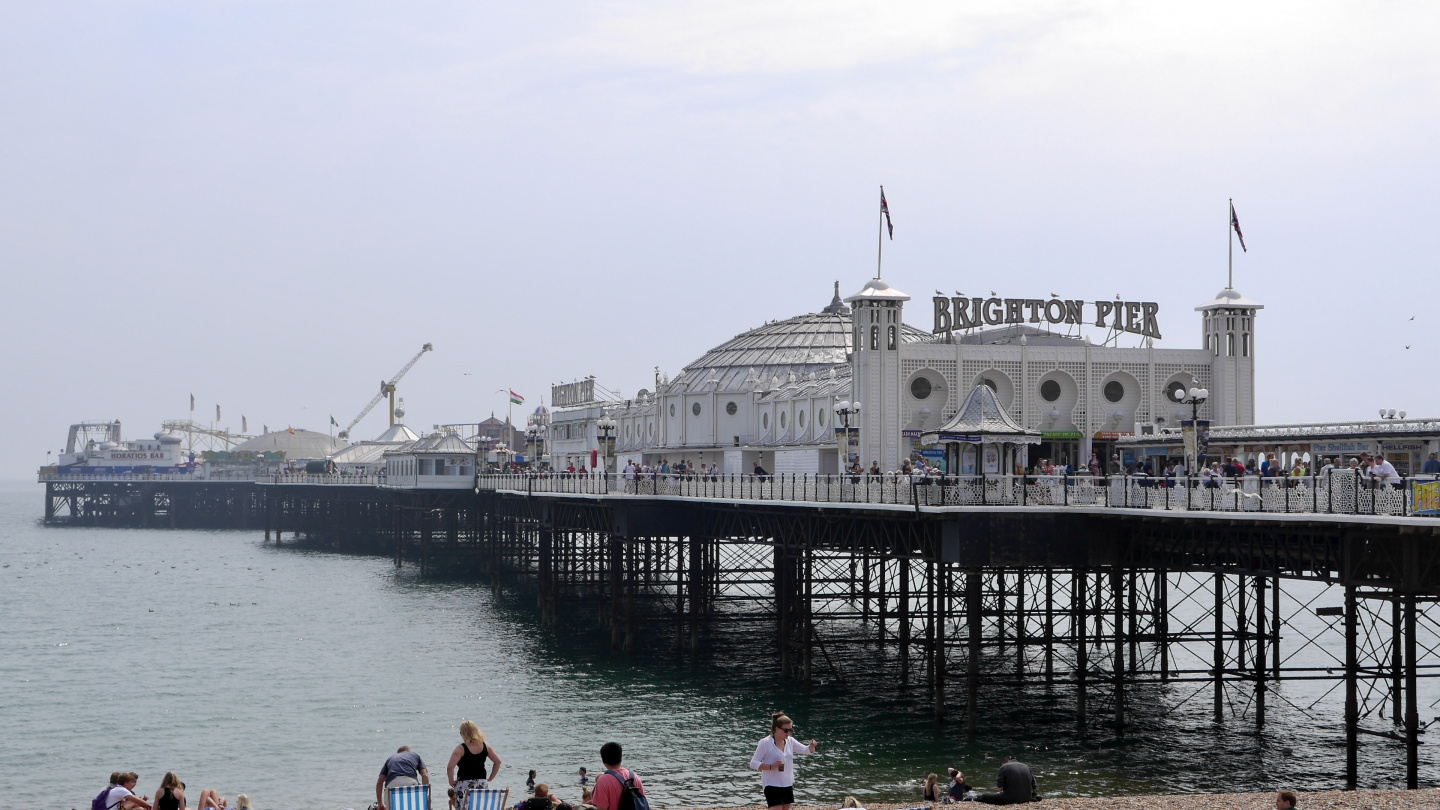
<point x="630" y="796"/>
<point x="98" y="803"/>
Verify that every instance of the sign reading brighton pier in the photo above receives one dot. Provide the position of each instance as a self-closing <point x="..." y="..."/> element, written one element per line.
<point x="1137" y="317"/>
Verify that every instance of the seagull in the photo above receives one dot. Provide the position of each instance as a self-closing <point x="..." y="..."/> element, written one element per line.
<point x="942" y="295"/>
<point x="993" y="293"/>
<point x="1412" y="317"/>
<point x="962" y="295"/>
<point x="1053" y="295"/>
<point x="1407" y="347"/>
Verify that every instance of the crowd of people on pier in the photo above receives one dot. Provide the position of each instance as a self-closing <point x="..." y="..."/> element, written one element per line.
<point x="475" y="764"/>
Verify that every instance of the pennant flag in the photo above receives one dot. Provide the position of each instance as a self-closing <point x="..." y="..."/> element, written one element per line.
<point x="244" y="425"/>
<point x="291" y="429"/>
<point x="332" y="420"/>
<point x="217" y="413"/>
<point x="516" y="398"/>
<point x="264" y="428"/>
<point x="192" y="403"/>
<point x="1235" y="223"/>
<point x="885" y="209"/>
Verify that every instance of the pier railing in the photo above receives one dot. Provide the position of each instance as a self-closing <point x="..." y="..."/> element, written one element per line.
<point x="328" y="480"/>
<point x="1335" y="492"/>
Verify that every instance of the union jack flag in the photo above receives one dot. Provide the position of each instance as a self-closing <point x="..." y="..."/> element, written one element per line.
<point x="885" y="209"/>
<point x="1234" y="223"/>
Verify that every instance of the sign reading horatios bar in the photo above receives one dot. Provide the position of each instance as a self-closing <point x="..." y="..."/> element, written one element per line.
<point x="1137" y="317"/>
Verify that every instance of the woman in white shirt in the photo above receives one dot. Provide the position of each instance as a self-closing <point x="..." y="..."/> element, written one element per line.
<point x="775" y="759"/>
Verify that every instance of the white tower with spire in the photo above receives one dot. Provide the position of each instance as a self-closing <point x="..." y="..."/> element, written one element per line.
<point x="1228" y="326"/>
<point x="876" y="319"/>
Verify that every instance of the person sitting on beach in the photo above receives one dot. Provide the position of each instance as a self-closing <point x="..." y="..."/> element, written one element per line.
<point x="932" y="788"/>
<point x="958" y="788"/>
<point x="1285" y="800"/>
<point x="210" y="799"/>
<point x="122" y="796"/>
<point x="851" y="804"/>
<point x="586" y="794"/>
<point x="171" y="793"/>
<point x="542" y="800"/>
<point x="1016" y="784"/>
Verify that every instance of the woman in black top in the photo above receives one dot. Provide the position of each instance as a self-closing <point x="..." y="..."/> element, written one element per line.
<point x="466" y="770"/>
<point x="171" y="795"/>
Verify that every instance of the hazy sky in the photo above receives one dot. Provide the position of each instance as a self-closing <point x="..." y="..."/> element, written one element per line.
<point x="273" y="205"/>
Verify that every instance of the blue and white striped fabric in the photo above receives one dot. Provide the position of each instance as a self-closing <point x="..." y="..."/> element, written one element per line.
<point x="409" y="797"/>
<point x="488" y="799"/>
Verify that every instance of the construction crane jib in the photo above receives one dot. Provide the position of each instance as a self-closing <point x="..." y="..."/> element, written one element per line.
<point x="387" y="389"/>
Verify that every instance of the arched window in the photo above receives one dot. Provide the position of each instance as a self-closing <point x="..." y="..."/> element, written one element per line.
<point x="874" y="338"/>
<point x="890" y="341"/>
<point x="1229" y="344"/>
<point x="1245" y="345"/>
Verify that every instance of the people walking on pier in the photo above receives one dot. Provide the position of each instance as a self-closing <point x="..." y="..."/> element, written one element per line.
<point x="1432" y="466"/>
<point x="775" y="759"/>
<point x="466" y="768"/>
<point x="1016" y="783"/>
<point x="404" y="767"/>
<point x="617" y="788"/>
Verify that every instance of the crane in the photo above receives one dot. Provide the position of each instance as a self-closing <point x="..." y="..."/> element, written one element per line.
<point x="387" y="389"/>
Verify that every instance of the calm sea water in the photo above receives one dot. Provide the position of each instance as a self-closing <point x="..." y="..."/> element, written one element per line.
<point x="290" y="675"/>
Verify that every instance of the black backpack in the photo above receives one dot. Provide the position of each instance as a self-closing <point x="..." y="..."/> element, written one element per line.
<point x="630" y="796"/>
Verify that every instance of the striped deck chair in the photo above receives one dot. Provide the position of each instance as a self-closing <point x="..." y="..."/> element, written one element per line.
<point x="409" y="797"/>
<point x="488" y="799"/>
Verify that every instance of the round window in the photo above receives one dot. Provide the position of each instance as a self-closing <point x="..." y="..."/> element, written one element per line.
<point x="1175" y="391"/>
<point x="989" y="382"/>
<point x="765" y="421"/>
<point x="731" y="408"/>
<point x="800" y="419"/>
<point x="1114" y="391"/>
<point x="1050" y="390"/>
<point x="695" y="409"/>
<point x="672" y="409"/>
<point x="627" y="431"/>
<point x="820" y="417"/>
<point x="920" y="388"/>
<point x="650" y="429"/>
<point x="782" y="420"/>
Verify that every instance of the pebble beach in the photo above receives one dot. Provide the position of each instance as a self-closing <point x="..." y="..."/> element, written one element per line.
<point x="1319" y="800"/>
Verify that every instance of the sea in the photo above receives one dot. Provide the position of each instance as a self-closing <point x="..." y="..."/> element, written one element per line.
<point x="290" y="675"/>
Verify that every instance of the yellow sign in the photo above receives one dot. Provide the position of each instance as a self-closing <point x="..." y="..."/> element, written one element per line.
<point x="1425" y="497"/>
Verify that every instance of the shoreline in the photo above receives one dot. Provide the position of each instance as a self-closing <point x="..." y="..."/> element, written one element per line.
<point x="1389" y="799"/>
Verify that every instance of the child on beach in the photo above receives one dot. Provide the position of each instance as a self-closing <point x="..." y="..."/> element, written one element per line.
<point x="530" y="783"/>
<point x="584" y="779"/>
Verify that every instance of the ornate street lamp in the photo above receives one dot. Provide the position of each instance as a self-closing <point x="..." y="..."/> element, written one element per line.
<point x="1194" y="397"/>
<point x="535" y="443"/>
<point x="606" y="426"/>
<point x="844" y="410"/>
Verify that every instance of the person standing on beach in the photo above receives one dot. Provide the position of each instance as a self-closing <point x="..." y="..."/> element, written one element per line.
<point x="466" y="769"/>
<point x="775" y="759"/>
<point x="612" y="794"/>
<point x="1285" y="800"/>
<point x="1016" y="784"/>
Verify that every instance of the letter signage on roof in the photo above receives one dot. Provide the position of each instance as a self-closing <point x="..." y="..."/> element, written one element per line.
<point x="1135" y="317"/>
<point x="573" y="393"/>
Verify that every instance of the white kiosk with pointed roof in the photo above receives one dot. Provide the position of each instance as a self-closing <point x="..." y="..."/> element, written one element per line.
<point x="981" y="438"/>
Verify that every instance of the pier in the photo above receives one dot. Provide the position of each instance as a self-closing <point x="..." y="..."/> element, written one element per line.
<point x="1101" y="589"/>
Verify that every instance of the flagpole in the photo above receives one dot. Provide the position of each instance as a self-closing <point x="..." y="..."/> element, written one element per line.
<point x="880" y="237"/>
<point x="1230" y="229"/>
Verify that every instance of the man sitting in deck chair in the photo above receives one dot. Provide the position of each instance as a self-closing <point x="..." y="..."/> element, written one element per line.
<point x="404" y="778"/>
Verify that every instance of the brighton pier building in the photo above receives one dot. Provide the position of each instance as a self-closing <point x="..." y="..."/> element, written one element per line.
<point x="768" y="396"/>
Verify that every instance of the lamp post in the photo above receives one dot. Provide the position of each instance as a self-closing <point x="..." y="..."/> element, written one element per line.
<point x="606" y="426"/>
<point x="844" y="410"/>
<point x="1194" y="397"/>
<point x="501" y="448"/>
<point x="535" y="438"/>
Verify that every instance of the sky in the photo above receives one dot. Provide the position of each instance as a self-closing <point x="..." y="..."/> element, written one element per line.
<point x="273" y="205"/>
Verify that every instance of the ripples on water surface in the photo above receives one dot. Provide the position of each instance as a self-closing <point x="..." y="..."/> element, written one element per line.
<point x="291" y="675"/>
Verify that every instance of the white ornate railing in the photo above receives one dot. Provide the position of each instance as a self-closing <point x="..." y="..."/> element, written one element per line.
<point x="1338" y="492"/>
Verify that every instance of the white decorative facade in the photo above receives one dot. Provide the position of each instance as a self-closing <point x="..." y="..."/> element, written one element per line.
<point x="768" y="395"/>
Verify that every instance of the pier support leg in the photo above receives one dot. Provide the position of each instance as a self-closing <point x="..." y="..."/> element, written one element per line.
<point x="1049" y="625"/>
<point x="695" y="579"/>
<point x="972" y="664"/>
<point x="1219" y="648"/>
<point x="1162" y="621"/>
<point x="1397" y="660"/>
<point x="1412" y="709"/>
<point x="902" y="609"/>
<point x="617" y="596"/>
<point x="1117" y="589"/>
<point x="942" y="612"/>
<point x="1261" y="660"/>
<point x="1352" y="690"/>
<point x="1079" y="624"/>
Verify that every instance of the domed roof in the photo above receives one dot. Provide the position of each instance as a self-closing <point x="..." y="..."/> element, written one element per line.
<point x="1229" y="298"/>
<point x="805" y="343"/>
<point x="302" y="445"/>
